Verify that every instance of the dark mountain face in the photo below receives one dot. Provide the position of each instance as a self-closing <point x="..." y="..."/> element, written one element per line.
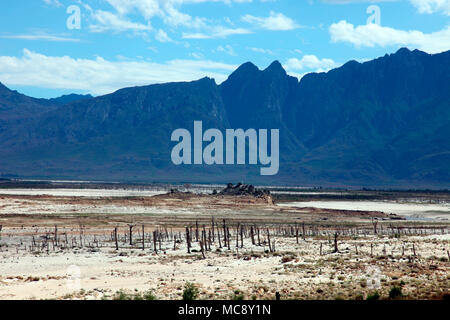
<point x="16" y="106"/>
<point x="127" y="132"/>
<point x="256" y="99"/>
<point x="367" y="112"/>
<point x="71" y="98"/>
<point x="17" y="110"/>
<point x="385" y="122"/>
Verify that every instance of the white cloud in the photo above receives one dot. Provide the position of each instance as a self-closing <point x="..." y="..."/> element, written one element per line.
<point x="372" y="35"/>
<point x="151" y="8"/>
<point x="356" y="1"/>
<point x="226" y="49"/>
<point x="197" y="55"/>
<point x="44" y="37"/>
<point x="432" y="6"/>
<point x="169" y="11"/>
<point x="100" y="76"/>
<point x="147" y="8"/>
<point x="307" y="64"/>
<point x="217" y="32"/>
<point x="275" y="21"/>
<point x="175" y="18"/>
<point x="310" y="62"/>
<point x="54" y="3"/>
<point x="162" y="36"/>
<point x="107" y="21"/>
<point x="423" y="6"/>
<point x="262" y="50"/>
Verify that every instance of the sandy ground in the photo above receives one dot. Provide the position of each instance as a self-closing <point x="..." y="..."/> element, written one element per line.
<point x="411" y="255"/>
<point x="305" y="275"/>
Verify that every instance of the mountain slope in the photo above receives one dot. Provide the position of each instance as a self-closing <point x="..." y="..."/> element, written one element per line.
<point x="385" y="122"/>
<point x="16" y="107"/>
<point x="372" y="109"/>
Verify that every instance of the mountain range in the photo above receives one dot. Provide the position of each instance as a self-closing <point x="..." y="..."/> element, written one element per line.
<point x="381" y="123"/>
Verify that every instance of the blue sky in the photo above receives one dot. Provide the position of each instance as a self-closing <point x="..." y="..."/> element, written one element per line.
<point x="122" y="43"/>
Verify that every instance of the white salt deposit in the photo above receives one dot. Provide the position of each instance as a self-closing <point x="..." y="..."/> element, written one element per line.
<point x="101" y="193"/>
<point x="412" y="210"/>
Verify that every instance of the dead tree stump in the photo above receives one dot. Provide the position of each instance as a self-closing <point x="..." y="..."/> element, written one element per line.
<point x="242" y="237"/>
<point x="115" y="239"/>
<point x="155" y="239"/>
<point x="188" y="240"/>
<point x="336" y="249"/>
<point x="304" y="232"/>
<point x="202" y="249"/>
<point x="131" y="234"/>
<point x="196" y="231"/>
<point x="143" y="238"/>
<point x="374" y="223"/>
<point x="252" y="235"/>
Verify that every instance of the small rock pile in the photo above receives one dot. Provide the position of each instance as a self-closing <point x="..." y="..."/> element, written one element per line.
<point x="244" y="189"/>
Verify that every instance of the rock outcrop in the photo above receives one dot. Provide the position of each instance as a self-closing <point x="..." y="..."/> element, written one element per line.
<point x="247" y="190"/>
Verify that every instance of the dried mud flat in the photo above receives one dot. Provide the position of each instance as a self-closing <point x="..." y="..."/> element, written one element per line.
<point x="46" y="240"/>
